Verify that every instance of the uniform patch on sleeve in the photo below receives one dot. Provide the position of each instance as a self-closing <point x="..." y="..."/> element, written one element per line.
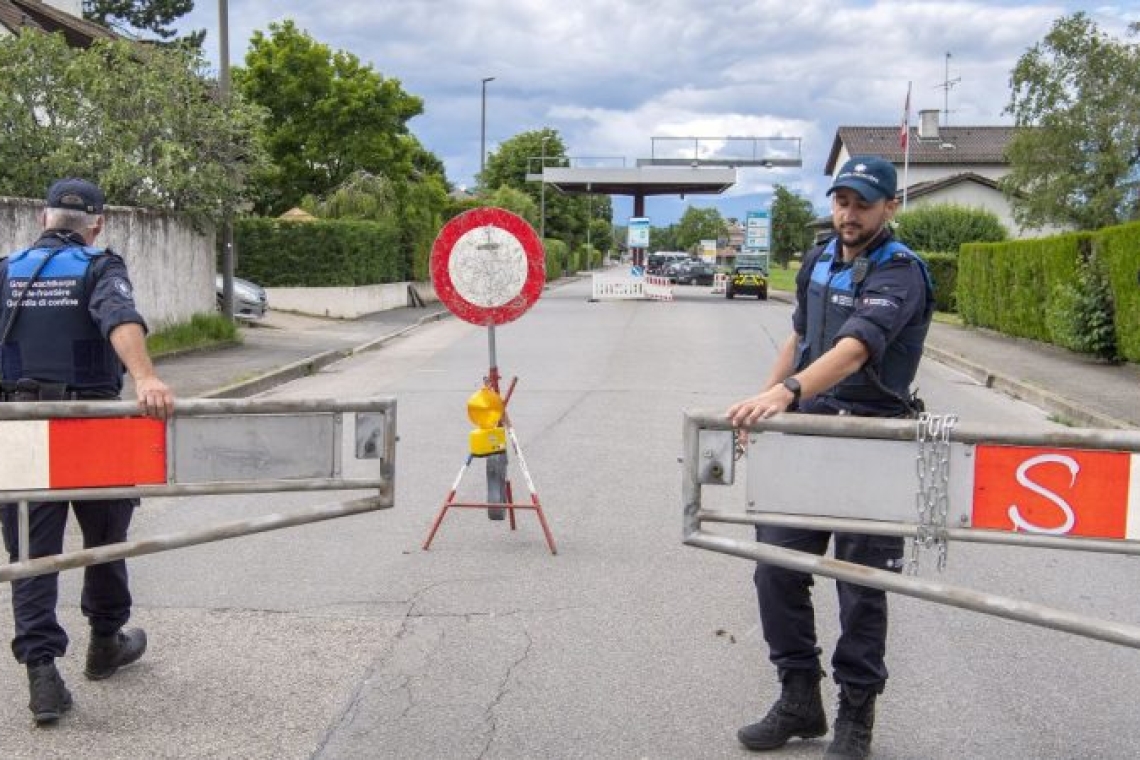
<point x="873" y="301"/>
<point x="123" y="287"/>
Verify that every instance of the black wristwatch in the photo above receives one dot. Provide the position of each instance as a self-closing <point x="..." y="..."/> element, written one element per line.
<point x="794" y="386"/>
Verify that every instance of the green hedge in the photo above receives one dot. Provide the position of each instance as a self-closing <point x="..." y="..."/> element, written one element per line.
<point x="278" y="253"/>
<point x="944" y="271"/>
<point x="557" y="252"/>
<point x="1011" y="286"/>
<point x="1118" y="251"/>
<point x="1050" y="289"/>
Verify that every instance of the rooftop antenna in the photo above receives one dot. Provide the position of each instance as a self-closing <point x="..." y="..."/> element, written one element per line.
<point x="946" y="86"/>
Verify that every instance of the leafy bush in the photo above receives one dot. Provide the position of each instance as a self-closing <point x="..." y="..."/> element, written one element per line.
<point x="1081" y="315"/>
<point x="1118" y="251"/>
<point x="945" y="227"/>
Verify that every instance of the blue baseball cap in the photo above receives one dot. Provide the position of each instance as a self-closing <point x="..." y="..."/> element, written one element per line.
<point x="870" y="176"/>
<point x="76" y="194"/>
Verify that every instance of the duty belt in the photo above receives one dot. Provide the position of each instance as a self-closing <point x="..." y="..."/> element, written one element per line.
<point x="27" y="389"/>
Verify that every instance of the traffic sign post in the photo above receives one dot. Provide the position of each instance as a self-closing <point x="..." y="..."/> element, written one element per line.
<point x="488" y="267"/>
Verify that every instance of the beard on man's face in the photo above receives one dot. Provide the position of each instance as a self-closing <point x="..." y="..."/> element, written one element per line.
<point x="854" y="236"/>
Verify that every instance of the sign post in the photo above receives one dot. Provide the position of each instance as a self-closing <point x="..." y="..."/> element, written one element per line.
<point x="488" y="267"/>
<point x="637" y="240"/>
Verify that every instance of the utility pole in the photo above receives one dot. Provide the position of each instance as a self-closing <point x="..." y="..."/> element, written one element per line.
<point x="227" y="221"/>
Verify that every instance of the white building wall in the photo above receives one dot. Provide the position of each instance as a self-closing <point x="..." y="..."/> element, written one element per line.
<point x="171" y="264"/>
<point x="74" y="7"/>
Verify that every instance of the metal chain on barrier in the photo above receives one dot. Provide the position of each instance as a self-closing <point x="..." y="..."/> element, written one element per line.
<point x="933" y="497"/>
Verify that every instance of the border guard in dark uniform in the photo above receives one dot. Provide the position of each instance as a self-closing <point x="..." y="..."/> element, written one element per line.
<point x="863" y="308"/>
<point x="69" y="328"/>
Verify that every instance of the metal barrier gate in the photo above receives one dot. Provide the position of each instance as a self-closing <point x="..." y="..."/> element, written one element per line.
<point x="209" y="446"/>
<point x="935" y="483"/>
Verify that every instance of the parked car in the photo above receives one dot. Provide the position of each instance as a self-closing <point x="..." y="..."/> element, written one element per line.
<point x="250" y="301"/>
<point x="698" y="273"/>
<point x="659" y="262"/>
<point x="747" y="281"/>
<point x="676" y="270"/>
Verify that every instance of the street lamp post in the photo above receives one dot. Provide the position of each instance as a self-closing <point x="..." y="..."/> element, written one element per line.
<point x="483" y="132"/>
<point x="542" y="194"/>
<point x="228" y="264"/>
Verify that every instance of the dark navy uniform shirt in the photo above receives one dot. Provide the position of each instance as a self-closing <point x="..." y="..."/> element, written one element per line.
<point x="80" y="310"/>
<point x="893" y="296"/>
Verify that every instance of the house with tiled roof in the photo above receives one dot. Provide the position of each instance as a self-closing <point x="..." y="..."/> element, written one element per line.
<point x="956" y="165"/>
<point x="62" y="16"/>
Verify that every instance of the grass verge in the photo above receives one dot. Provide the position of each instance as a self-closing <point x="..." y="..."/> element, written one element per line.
<point x="202" y="331"/>
<point x="780" y="278"/>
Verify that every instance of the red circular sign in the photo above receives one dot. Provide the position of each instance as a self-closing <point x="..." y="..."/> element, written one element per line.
<point x="488" y="266"/>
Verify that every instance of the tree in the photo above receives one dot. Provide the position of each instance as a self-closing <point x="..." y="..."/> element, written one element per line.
<point x="663" y="238"/>
<point x="143" y="122"/>
<point x="1077" y="159"/>
<point x="790" y="218"/>
<point x="698" y="224"/>
<point x="330" y="116"/>
<point x="153" y="16"/>
<point x="566" y="216"/>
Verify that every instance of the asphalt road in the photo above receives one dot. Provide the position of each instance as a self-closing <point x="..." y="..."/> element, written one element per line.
<point x="346" y="640"/>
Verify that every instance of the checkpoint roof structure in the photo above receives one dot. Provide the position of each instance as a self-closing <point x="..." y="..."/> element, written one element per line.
<point x="640" y="180"/>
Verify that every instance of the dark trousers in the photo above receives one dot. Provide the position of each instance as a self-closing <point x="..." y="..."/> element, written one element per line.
<point x="788" y="618"/>
<point x="106" y="599"/>
<point x="786" y="611"/>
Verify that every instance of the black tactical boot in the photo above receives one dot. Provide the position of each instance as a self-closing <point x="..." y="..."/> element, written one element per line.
<point x="49" y="697"/>
<point x="106" y="654"/>
<point x="854" y="724"/>
<point x="798" y="712"/>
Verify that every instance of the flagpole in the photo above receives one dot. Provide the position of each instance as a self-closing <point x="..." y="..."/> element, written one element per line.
<point x="906" y="147"/>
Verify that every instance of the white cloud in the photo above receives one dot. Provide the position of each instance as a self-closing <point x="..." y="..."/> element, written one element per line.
<point x="612" y="74"/>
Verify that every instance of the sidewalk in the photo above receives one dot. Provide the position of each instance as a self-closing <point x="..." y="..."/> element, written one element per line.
<point x="281" y="348"/>
<point x="1077" y="389"/>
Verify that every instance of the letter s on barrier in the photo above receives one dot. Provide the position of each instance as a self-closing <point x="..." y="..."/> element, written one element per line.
<point x="1019" y="522"/>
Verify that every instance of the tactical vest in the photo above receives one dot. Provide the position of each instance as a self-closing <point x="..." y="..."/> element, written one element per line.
<point x="54" y="338"/>
<point x="831" y="299"/>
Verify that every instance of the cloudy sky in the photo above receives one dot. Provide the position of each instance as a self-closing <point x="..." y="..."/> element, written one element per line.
<point x="610" y="75"/>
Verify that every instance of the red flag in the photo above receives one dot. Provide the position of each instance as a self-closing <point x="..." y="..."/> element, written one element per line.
<point x="904" y="130"/>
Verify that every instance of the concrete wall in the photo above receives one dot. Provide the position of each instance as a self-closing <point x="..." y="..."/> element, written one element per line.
<point x="170" y="263"/>
<point x="346" y="303"/>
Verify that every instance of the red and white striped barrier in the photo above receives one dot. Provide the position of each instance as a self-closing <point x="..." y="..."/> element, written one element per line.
<point x="74" y="453"/>
<point x="720" y="283"/>
<point x="658" y="288"/>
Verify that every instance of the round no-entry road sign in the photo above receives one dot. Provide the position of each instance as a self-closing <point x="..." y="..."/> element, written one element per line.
<point x="488" y="266"/>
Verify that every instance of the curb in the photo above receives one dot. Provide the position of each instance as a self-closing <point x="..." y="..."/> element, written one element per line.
<point x="312" y="364"/>
<point x="1068" y="411"/>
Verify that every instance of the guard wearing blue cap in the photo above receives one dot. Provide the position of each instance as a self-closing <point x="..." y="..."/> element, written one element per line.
<point x="68" y="327"/>
<point x="863" y="308"/>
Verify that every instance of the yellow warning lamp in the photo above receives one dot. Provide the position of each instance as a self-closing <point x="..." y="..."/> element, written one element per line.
<point x="485" y="410"/>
